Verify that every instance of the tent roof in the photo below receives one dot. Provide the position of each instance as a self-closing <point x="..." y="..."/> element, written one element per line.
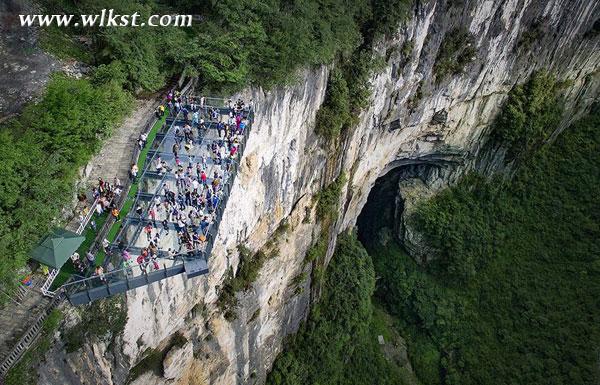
<point x="57" y="247"/>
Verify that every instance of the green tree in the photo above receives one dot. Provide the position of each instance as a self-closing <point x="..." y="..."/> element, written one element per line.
<point x="530" y="114"/>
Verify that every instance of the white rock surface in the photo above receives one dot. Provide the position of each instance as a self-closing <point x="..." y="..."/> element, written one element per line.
<point x="178" y="361"/>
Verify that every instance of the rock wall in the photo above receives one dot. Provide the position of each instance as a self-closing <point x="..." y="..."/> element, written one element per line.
<point x="25" y="69"/>
<point x="413" y="119"/>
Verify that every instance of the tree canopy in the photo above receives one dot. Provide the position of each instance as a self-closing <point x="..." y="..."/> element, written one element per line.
<point x="511" y="296"/>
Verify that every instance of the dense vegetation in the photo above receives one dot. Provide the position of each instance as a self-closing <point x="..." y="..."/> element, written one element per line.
<point x="42" y="151"/>
<point x="336" y="345"/>
<point x="236" y="43"/>
<point x="529" y="116"/>
<point x="512" y="297"/>
<point x="335" y="111"/>
<point x="108" y="318"/>
<point x="247" y="272"/>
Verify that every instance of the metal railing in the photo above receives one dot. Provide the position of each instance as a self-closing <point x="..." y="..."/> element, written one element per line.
<point x="53" y="273"/>
<point x="88" y="217"/>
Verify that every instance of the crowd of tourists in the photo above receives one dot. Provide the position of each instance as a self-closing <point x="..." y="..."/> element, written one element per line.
<point x="196" y="166"/>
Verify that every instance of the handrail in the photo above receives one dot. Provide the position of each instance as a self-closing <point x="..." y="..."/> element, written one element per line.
<point x="88" y="217"/>
<point x="135" y="157"/>
<point x="33" y="331"/>
<point x="174" y="258"/>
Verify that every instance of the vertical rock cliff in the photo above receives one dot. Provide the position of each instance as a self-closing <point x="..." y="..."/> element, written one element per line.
<point x="448" y="70"/>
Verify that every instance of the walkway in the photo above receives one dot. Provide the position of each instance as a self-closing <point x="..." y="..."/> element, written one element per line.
<point x="181" y="196"/>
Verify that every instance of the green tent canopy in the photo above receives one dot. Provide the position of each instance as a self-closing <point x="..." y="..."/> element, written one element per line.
<point x="57" y="247"/>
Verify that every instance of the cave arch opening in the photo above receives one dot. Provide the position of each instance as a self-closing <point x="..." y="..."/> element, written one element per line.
<point x="382" y="214"/>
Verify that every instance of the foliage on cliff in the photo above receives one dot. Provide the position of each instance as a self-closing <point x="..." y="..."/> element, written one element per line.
<point x="108" y="317"/>
<point x="455" y="52"/>
<point x="335" y="345"/>
<point x="529" y="116"/>
<point x="247" y="272"/>
<point x="235" y="43"/>
<point x="335" y="111"/>
<point x="42" y="151"/>
<point x="513" y="294"/>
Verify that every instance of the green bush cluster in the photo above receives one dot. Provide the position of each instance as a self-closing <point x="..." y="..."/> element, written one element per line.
<point x="42" y="151"/>
<point x="531" y="35"/>
<point x="512" y="296"/>
<point x="348" y="87"/>
<point x="236" y="43"/>
<point x="348" y="92"/>
<point x="336" y="345"/>
<point x="240" y="43"/>
<point x="530" y="115"/>
<point x="247" y="272"/>
<point x="329" y="199"/>
<point x="335" y="110"/>
<point x="455" y="52"/>
<point x="386" y="17"/>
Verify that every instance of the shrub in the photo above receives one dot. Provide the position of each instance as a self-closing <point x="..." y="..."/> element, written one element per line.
<point x="104" y="319"/>
<point x="425" y="359"/>
<point x="348" y="92"/>
<point x="247" y="272"/>
<point x="529" y="116"/>
<point x="342" y="319"/>
<point x="455" y="52"/>
<point x="329" y="198"/>
<point x="335" y="111"/>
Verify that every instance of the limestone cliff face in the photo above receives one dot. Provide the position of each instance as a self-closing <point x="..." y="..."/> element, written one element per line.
<point x="413" y="119"/>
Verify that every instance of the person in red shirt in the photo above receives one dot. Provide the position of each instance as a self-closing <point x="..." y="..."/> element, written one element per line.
<point x="152" y="214"/>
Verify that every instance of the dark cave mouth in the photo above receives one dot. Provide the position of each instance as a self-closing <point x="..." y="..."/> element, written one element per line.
<point x="385" y="205"/>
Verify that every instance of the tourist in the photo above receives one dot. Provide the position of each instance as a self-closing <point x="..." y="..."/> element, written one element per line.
<point x="91" y="258"/>
<point x="100" y="273"/>
<point x="105" y="244"/>
<point x="133" y="172"/>
<point x="142" y="140"/>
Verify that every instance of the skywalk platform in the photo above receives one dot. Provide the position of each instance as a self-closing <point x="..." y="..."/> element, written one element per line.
<point x="173" y="258"/>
